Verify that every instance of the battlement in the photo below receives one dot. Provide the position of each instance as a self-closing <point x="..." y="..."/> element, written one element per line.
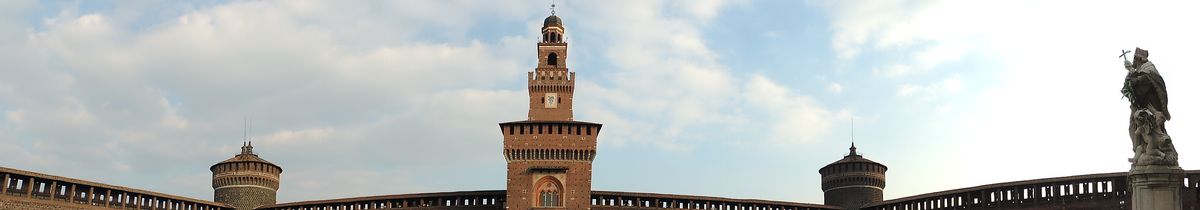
<point x="550" y="128"/>
<point x="239" y="166"/>
<point x="559" y="76"/>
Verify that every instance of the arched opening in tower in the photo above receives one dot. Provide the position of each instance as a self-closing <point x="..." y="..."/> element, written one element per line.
<point x="549" y="192"/>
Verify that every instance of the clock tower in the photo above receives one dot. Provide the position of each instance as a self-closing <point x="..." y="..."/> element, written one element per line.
<point x="550" y="154"/>
<point x="551" y="84"/>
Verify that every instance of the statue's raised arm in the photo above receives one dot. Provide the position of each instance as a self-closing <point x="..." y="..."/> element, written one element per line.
<point x="1128" y="65"/>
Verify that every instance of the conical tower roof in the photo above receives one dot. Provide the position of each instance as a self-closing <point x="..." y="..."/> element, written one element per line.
<point x="247" y="155"/>
<point x="853" y="157"/>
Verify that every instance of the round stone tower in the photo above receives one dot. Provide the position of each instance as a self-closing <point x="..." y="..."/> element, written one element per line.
<point x="245" y="181"/>
<point x="853" y="181"/>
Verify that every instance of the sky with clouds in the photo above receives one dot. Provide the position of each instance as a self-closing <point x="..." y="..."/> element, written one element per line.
<point x="356" y="98"/>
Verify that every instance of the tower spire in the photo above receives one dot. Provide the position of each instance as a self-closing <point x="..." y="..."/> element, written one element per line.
<point x="245" y="130"/>
<point x="853" y="149"/>
<point x="552" y="8"/>
<point x="247" y="135"/>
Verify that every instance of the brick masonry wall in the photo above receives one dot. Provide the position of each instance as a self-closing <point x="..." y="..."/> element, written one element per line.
<point x="23" y="203"/>
<point x="852" y="198"/>
<point x="577" y="192"/>
<point x="245" y="198"/>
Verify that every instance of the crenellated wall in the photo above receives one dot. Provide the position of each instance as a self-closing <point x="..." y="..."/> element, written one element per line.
<point x="1092" y="191"/>
<point x="607" y="200"/>
<point x="489" y="199"/>
<point x="30" y="190"/>
<point x="36" y="191"/>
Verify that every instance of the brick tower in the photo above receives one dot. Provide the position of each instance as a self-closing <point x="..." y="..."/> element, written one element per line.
<point x="245" y="181"/>
<point x="550" y="155"/>
<point x="853" y="181"/>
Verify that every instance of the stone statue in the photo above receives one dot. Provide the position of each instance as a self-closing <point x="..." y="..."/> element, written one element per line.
<point x="1147" y="94"/>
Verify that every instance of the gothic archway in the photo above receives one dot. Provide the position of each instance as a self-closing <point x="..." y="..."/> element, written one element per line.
<point x="549" y="192"/>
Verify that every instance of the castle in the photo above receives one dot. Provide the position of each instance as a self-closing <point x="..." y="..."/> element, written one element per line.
<point x="549" y="166"/>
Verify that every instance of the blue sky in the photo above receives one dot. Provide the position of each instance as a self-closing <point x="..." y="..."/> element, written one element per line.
<point x="742" y="99"/>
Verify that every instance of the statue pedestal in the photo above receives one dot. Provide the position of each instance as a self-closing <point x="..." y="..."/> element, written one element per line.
<point x="1156" y="187"/>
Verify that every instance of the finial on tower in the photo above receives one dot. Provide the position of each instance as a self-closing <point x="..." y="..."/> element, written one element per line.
<point x="551" y="7"/>
<point x="853" y="149"/>
<point x="247" y="149"/>
<point x="247" y="145"/>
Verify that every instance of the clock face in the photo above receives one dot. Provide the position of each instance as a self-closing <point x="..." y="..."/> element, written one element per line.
<point x="551" y="100"/>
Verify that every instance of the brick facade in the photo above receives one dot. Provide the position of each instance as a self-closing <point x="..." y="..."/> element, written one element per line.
<point x="245" y="197"/>
<point x="550" y="155"/>
<point x="21" y="203"/>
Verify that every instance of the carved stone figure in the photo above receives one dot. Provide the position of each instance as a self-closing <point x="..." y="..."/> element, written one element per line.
<point x="1147" y="94"/>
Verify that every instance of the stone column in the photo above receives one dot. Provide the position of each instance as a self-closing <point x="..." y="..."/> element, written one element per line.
<point x="5" y="189"/>
<point x="106" y="198"/>
<point x="53" y="189"/>
<point x="1156" y="187"/>
<point x="29" y="189"/>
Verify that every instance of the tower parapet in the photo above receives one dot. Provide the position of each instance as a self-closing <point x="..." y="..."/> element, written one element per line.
<point x="853" y="181"/>
<point x="245" y="181"/>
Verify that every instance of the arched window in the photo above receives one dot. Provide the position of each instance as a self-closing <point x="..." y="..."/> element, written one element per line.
<point x="552" y="59"/>
<point x="549" y="192"/>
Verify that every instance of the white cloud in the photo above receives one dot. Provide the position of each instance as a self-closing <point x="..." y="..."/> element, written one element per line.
<point x="941" y="53"/>
<point x="300" y="136"/>
<point x="705" y="9"/>
<point x="909" y="90"/>
<point x="948" y="86"/>
<point x="794" y="118"/>
<point x="835" y="87"/>
<point x="893" y="71"/>
<point x="89" y="96"/>
<point x="672" y="85"/>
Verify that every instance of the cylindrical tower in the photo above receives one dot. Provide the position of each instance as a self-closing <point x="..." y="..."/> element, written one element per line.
<point x="853" y="181"/>
<point x="245" y="181"/>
